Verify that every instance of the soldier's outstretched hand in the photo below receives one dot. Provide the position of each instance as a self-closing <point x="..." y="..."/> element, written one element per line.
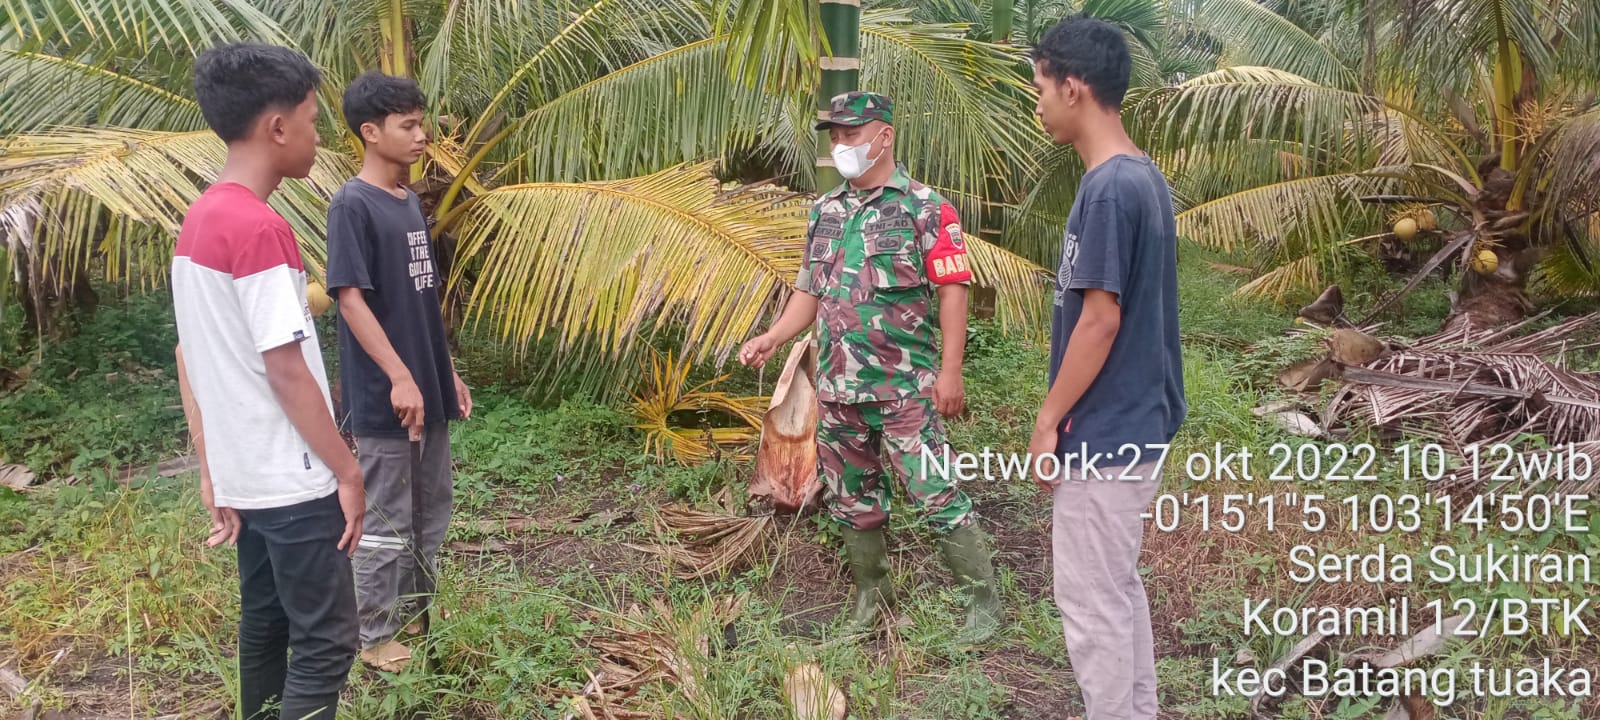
<point x="756" y="352"/>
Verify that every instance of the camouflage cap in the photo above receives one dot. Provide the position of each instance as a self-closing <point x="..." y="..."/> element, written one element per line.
<point x="858" y="108"/>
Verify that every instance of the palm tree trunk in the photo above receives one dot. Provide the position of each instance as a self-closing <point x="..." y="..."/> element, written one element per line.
<point x="396" y="53"/>
<point x="1000" y="20"/>
<point x="1369" y="58"/>
<point x="396" y="50"/>
<point x="841" y="72"/>
<point x="1507" y="80"/>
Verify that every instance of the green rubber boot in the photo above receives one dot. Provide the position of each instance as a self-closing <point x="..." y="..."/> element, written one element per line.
<point x="869" y="565"/>
<point x="966" y="552"/>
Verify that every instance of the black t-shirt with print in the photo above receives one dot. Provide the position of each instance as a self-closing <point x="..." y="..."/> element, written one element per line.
<point x="1121" y="238"/>
<point x="379" y="242"/>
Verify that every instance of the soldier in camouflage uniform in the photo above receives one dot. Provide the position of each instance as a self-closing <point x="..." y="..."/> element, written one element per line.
<point x="876" y="248"/>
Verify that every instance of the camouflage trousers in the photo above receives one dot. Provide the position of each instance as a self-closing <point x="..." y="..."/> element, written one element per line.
<point x="853" y="442"/>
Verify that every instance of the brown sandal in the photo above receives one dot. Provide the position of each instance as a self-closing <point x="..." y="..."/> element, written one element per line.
<point x="390" y="657"/>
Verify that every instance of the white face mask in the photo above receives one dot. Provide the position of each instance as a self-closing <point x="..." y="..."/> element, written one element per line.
<point x="851" y="160"/>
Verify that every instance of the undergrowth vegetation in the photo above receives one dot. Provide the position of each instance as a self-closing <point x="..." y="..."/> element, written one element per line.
<point x="112" y="606"/>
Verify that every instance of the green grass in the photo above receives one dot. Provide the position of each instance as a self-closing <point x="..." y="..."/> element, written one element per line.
<point x="113" y="605"/>
<point x="102" y="398"/>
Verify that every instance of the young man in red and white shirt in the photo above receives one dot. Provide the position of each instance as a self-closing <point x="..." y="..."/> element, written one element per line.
<point x="275" y="475"/>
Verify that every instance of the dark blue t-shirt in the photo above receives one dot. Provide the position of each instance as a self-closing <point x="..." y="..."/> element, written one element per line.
<point x="1121" y="238"/>
<point x="379" y="243"/>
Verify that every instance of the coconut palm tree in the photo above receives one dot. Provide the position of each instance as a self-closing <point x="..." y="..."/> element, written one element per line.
<point x="1329" y="121"/>
<point x="600" y="168"/>
<point x="1166" y="48"/>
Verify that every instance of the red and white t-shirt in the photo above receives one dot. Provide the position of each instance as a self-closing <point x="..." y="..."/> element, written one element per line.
<point x="238" y="290"/>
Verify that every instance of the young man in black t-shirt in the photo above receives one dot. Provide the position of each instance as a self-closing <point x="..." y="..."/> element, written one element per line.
<point x="399" y="383"/>
<point x="1116" y="396"/>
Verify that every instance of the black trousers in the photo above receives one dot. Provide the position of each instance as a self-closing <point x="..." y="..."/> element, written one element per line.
<point x="296" y="594"/>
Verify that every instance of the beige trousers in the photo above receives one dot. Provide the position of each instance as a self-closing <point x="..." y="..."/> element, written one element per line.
<point x="1095" y="537"/>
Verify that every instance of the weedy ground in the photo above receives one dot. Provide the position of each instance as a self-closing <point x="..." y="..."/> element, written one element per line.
<point x="112" y="607"/>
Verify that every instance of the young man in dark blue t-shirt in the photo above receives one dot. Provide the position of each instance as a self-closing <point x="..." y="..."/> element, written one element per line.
<point x="399" y="383"/>
<point x="1116" y="376"/>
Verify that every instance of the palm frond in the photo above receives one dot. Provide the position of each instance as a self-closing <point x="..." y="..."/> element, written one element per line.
<point x="1256" y="103"/>
<point x="772" y="43"/>
<point x="963" y="114"/>
<point x="1020" y="285"/>
<point x="1570" y="270"/>
<point x="1214" y="170"/>
<point x="703" y="544"/>
<point x="1254" y="35"/>
<point x="1577" y="44"/>
<point x="1448" y="46"/>
<point x="665" y="394"/>
<point x="1569" y="178"/>
<point x="1144" y="21"/>
<point x="342" y="38"/>
<point x="499" y="38"/>
<point x="1317" y="206"/>
<point x="122" y="194"/>
<point x="1484" y="386"/>
<point x="646" y="116"/>
<point x="1296" y="228"/>
<point x="1036" y="228"/>
<point x="576" y="39"/>
<point x="139" y="25"/>
<point x="593" y="263"/>
<point x="1483" y="24"/>
<point x="39" y="91"/>
<point x="1294" y="276"/>
<point x="1572" y="176"/>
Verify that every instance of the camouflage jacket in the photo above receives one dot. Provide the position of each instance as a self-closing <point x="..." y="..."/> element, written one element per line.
<point x="871" y="258"/>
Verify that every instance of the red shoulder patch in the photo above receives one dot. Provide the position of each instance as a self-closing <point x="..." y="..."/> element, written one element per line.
<point x="947" y="262"/>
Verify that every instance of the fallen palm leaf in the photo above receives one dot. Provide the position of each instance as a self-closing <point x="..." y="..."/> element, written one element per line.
<point x="664" y="396"/>
<point x="164" y="469"/>
<point x="1462" y="387"/>
<point x="1289" y="666"/>
<point x="1424" y="644"/>
<point x="1307" y="374"/>
<point x="656" y="645"/>
<point x="564" y="525"/>
<point x="16" y="477"/>
<point x="786" y="462"/>
<point x="707" y="542"/>
<point x="811" y="695"/>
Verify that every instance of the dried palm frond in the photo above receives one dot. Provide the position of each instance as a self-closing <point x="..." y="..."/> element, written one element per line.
<point x="658" y="644"/>
<point x="16" y="477"/>
<point x="665" y="395"/>
<point x="708" y="542"/>
<point x="1464" y="387"/>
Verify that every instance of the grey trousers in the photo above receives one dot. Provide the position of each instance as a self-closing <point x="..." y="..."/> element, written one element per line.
<point x="408" y="512"/>
<point x="1095" y="542"/>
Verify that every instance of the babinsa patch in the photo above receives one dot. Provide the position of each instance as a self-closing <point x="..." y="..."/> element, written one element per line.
<point x="954" y="231"/>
